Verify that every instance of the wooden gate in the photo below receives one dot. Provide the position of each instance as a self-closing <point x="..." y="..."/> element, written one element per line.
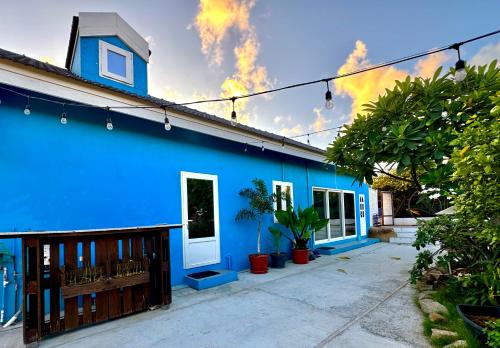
<point x="73" y="279"/>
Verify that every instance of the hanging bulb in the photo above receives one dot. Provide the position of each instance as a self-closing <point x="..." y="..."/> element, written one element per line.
<point x="109" y="124"/>
<point x="460" y="72"/>
<point x="308" y="141"/>
<point x="328" y="97"/>
<point x="262" y="148"/>
<point x="64" y="120"/>
<point x="233" y="114"/>
<point x="246" y="148"/>
<point x="168" y="126"/>
<point x="27" y="108"/>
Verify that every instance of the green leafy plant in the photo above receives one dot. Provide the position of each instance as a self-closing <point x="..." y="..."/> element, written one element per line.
<point x="276" y="237"/>
<point x="301" y="224"/>
<point x="260" y="203"/>
<point x="492" y="332"/>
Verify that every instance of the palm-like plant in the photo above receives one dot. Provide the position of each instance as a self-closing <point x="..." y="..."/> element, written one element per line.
<point x="260" y="203"/>
<point x="302" y="224"/>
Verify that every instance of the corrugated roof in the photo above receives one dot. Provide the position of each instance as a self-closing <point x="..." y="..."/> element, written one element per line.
<point x="31" y="62"/>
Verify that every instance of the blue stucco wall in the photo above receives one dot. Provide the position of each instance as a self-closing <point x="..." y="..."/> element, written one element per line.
<point x="86" y="64"/>
<point x="79" y="176"/>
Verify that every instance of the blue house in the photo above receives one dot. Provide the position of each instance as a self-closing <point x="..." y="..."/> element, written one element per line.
<point x="76" y="153"/>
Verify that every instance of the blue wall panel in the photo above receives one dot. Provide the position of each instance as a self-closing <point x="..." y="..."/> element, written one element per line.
<point x="80" y="175"/>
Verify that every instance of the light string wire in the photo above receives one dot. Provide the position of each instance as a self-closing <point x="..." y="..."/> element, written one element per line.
<point x="454" y="46"/>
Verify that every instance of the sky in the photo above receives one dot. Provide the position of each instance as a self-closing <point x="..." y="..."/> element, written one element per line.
<point x="219" y="48"/>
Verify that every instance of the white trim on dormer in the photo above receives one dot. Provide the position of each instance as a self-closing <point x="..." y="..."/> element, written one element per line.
<point x="104" y="47"/>
<point x="111" y="24"/>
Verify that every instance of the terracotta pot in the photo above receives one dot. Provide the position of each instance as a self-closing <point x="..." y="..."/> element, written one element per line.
<point x="258" y="263"/>
<point x="300" y="256"/>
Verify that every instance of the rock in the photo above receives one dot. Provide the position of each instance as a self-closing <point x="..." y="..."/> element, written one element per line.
<point x="429" y="306"/>
<point x="426" y="294"/>
<point x="457" y="344"/>
<point x="437" y="333"/>
<point x="422" y="286"/>
<point x="437" y="318"/>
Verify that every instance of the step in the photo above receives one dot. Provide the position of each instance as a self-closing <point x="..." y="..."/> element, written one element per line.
<point x="406" y="234"/>
<point x="399" y="229"/>
<point x="401" y="240"/>
<point x="341" y="248"/>
<point x="200" y="281"/>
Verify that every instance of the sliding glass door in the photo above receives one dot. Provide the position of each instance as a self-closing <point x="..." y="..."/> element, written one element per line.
<point x="339" y="208"/>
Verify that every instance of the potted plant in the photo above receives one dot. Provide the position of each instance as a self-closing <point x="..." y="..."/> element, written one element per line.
<point x="278" y="259"/>
<point x="301" y="224"/>
<point x="260" y="203"/>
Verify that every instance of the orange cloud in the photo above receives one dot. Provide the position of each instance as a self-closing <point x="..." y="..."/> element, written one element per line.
<point x="292" y="131"/>
<point x="366" y="87"/>
<point x="320" y="123"/>
<point x="213" y="22"/>
<point x="215" y="18"/>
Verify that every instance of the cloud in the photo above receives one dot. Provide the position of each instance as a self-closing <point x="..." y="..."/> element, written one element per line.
<point x="320" y="123"/>
<point x="486" y="54"/>
<point x="214" y="21"/>
<point x="292" y="131"/>
<point x="366" y="87"/>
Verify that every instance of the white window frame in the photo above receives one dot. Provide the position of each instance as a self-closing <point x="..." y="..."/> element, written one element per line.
<point x="327" y="209"/>
<point x="283" y="185"/>
<point x="104" y="47"/>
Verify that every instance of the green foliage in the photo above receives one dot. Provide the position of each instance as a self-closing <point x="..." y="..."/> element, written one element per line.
<point x="260" y="203"/>
<point x="492" y="331"/>
<point x="412" y="127"/>
<point x="476" y="161"/>
<point x="423" y="262"/>
<point x="276" y="234"/>
<point x="301" y="224"/>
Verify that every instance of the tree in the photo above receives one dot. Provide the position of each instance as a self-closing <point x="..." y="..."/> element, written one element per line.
<point x="260" y="202"/>
<point x="412" y="128"/>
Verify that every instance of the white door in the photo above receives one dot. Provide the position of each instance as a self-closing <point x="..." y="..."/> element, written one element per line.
<point x="200" y="219"/>
<point x="362" y="214"/>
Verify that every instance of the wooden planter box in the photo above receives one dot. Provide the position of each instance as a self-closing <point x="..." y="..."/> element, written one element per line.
<point x="108" y="298"/>
<point x="104" y="285"/>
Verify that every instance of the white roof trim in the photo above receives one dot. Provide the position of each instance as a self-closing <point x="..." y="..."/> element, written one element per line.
<point x="14" y="74"/>
<point x="111" y="24"/>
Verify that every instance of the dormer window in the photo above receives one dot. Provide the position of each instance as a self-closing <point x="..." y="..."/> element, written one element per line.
<point x="115" y="63"/>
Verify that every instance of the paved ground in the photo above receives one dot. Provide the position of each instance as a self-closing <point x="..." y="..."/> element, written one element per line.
<point x="360" y="302"/>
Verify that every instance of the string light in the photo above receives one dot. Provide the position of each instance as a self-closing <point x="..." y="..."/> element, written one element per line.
<point x="168" y="126"/>
<point x="109" y="122"/>
<point x="328" y="97"/>
<point x="233" y="114"/>
<point x="64" y="120"/>
<point x="460" y="72"/>
<point x="262" y="148"/>
<point x="246" y="148"/>
<point x="27" y="108"/>
<point x="308" y="141"/>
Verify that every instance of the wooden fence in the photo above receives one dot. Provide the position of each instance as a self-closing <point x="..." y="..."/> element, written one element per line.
<point x="73" y="279"/>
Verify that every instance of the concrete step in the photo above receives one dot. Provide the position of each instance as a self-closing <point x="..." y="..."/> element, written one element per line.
<point x="406" y="234"/>
<point x="401" y="240"/>
<point x="399" y="229"/>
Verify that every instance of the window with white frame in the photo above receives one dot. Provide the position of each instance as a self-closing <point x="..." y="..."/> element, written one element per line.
<point x="116" y="63"/>
<point x="283" y="191"/>
<point x="338" y="206"/>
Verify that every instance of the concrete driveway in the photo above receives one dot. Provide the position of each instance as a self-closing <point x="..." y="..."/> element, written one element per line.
<point x="363" y="301"/>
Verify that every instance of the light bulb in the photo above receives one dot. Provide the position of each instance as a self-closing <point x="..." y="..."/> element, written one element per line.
<point x="263" y="148"/>
<point x="168" y="126"/>
<point x="233" y="118"/>
<point x="246" y="148"/>
<point x="27" y="110"/>
<point x="328" y="100"/>
<point x="64" y="120"/>
<point x="460" y="72"/>
<point x="109" y="124"/>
